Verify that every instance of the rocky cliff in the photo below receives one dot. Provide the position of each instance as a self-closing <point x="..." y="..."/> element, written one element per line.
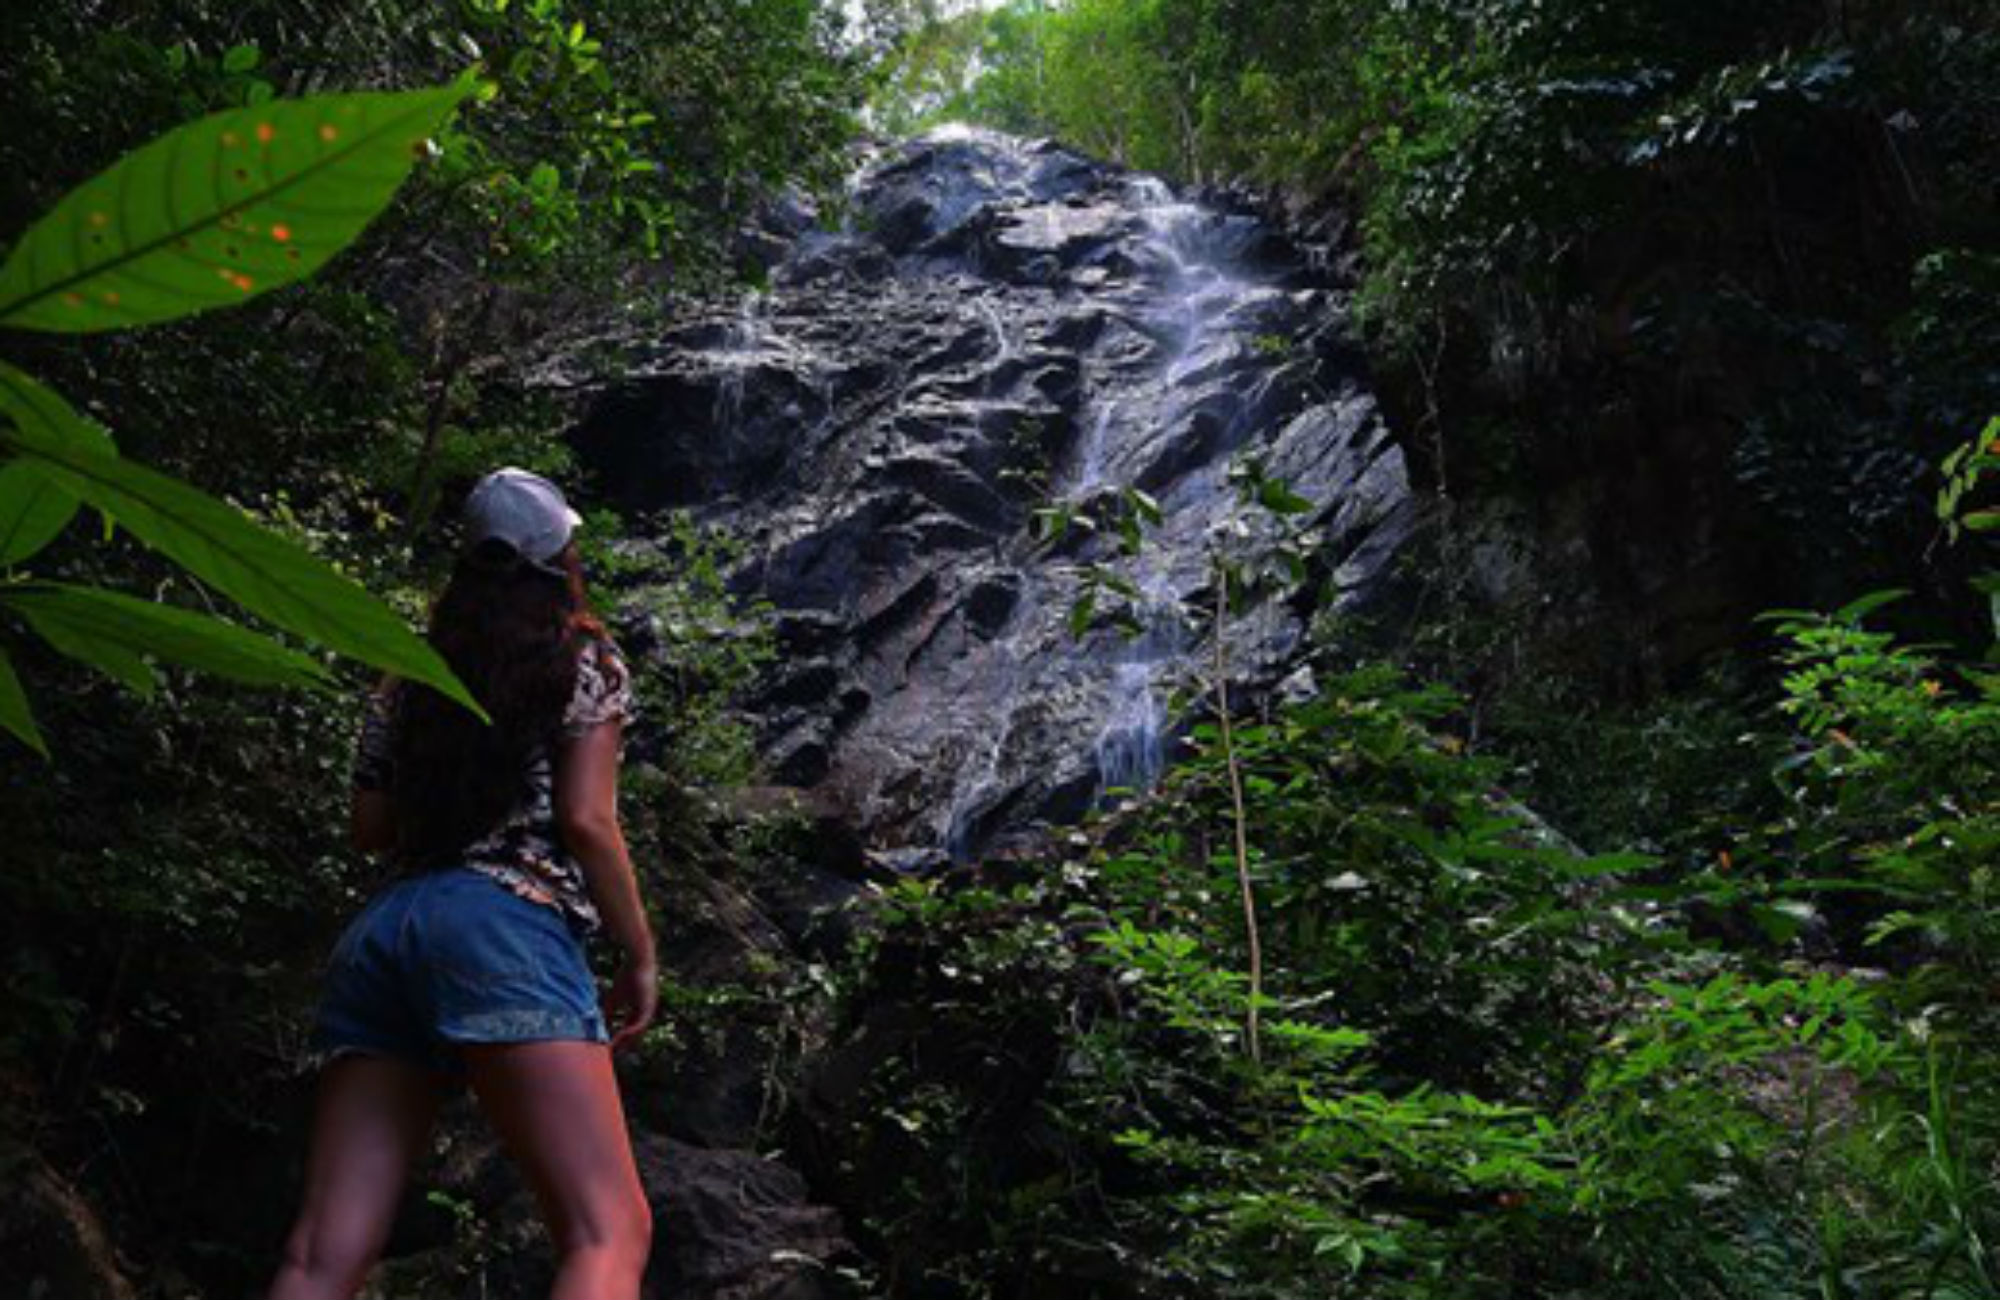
<point x="993" y="332"/>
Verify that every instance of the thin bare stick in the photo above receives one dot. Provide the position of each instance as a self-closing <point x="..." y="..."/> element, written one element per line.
<point x="1242" y="820"/>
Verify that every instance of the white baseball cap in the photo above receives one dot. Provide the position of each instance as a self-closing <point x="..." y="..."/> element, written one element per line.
<point x="525" y="511"/>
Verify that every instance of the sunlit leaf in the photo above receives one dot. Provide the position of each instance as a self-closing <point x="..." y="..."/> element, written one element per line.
<point x="217" y="211"/>
<point x="1278" y="498"/>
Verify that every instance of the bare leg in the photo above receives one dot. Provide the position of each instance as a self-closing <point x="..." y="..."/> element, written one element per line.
<point x="372" y="1119"/>
<point x="555" y="1105"/>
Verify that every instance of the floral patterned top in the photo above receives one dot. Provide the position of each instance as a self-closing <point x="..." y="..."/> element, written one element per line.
<point x="525" y="852"/>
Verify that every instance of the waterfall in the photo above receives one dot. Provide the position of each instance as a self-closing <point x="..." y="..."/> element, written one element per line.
<point x="1089" y="474"/>
<point x="1201" y="287"/>
<point x="743" y="342"/>
<point x="1131" y="746"/>
<point x="1003" y="326"/>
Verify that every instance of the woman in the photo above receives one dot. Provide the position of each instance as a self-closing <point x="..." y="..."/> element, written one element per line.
<point x="508" y="848"/>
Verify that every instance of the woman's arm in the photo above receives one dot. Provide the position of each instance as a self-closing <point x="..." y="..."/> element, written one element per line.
<point x="371" y="826"/>
<point x="371" y="821"/>
<point x="586" y="799"/>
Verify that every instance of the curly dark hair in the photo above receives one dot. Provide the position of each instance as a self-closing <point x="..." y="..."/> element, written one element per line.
<point x="513" y="633"/>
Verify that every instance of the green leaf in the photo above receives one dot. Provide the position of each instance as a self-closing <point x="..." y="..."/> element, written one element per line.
<point x="1860" y="609"/>
<point x="1278" y="498"/>
<point x="217" y="211"/>
<point x="34" y="510"/>
<point x="115" y="659"/>
<point x="242" y="58"/>
<point x="271" y="576"/>
<point x="114" y="633"/>
<point x="1082" y="612"/>
<point x="15" y="715"/>
<point x="1603" y="864"/>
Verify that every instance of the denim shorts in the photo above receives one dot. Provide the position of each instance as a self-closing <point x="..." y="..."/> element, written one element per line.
<point x="453" y="957"/>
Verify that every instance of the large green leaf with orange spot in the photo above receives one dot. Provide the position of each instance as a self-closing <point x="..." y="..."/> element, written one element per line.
<point x="269" y="575"/>
<point x="218" y="211"/>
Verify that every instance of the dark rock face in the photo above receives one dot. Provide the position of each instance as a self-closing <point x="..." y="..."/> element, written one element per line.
<point x="1003" y="328"/>
<point x="51" y="1241"/>
<point x="731" y="1225"/>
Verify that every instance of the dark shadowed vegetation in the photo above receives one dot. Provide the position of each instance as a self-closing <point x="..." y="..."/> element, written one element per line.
<point x="1626" y="902"/>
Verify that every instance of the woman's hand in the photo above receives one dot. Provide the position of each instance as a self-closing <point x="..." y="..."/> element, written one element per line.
<point x="631" y="1001"/>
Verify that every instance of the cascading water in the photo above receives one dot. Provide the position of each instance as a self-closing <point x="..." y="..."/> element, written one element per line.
<point x="1004" y="346"/>
<point x="1200" y="289"/>
<point x="1131" y="747"/>
<point x="1089" y="476"/>
<point x="741" y="347"/>
<point x="1004" y="326"/>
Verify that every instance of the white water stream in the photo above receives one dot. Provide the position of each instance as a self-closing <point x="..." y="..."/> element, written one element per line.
<point x="1200" y="288"/>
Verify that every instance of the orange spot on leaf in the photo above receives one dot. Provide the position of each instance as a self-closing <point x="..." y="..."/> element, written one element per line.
<point x="100" y="219"/>
<point x="73" y="299"/>
<point x="329" y="132"/>
<point x="110" y="297"/>
<point x="265" y="133"/>
<point x="244" y="282"/>
<point x="281" y="233"/>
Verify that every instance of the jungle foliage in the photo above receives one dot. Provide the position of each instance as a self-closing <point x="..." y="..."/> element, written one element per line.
<point x="1739" y="1045"/>
<point x="1495" y="1064"/>
<point x="1746" y="249"/>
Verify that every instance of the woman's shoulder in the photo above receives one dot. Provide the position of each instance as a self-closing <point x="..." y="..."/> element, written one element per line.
<point x="599" y="657"/>
<point x="603" y="690"/>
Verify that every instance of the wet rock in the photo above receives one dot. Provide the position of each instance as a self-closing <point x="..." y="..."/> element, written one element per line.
<point x="1006" y="328"/>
